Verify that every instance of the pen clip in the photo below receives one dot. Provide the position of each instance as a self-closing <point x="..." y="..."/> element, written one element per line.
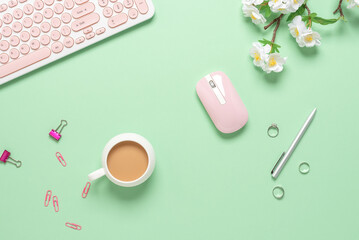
<point x="277" y="162"/>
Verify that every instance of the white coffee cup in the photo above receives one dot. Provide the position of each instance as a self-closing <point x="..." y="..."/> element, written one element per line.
<point x="132" y="137"/>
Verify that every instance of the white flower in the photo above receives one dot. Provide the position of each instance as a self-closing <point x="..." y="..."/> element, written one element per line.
<point x="297" y="27"/>
<point x="275" y="63"/>
<point x="253" y="12"/>
<point x="282" y="6"/>
<point x="252" y="2"/>
<point x="294" y="5"/>
<point x="353" y="3"/>
<point x="309" y="38"/>
<point x="259" y="54"/>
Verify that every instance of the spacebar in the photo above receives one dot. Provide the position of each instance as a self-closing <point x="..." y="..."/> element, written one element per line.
<point x="24" y="62"/>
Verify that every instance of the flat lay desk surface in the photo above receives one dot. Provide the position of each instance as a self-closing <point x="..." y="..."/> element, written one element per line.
<point x="206" y="185"/>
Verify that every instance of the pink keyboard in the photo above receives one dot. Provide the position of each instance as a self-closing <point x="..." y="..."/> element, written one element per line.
<point x="34" y="33"/>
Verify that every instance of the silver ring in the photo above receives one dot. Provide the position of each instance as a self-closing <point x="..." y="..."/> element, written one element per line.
<point x="273" y="127"/>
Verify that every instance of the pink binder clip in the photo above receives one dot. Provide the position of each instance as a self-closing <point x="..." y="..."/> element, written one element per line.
<point x="56" y="134"/>
<point x="6" y="156"/>
<point x="55" y="202"/>
<point x="73" y="226"/>
<point x="86" y="189"/>
<point x="61" y="159"/>
<point x="47" y="198"/>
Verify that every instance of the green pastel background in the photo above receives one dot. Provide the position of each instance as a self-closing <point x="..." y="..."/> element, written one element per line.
<point x="206" y="185"/>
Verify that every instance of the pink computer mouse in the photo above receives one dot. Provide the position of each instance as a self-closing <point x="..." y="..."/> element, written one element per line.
<point x="222" y="102"/>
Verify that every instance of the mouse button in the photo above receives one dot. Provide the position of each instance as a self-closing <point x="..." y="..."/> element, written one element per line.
<point x="218" y="79"/>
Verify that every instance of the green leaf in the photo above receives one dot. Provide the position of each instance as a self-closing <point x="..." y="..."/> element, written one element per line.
<point x="275" y="47"/>
<point x="268" y="12"/>
<point x="324" y="21"/>
<point x="299" y="12"/>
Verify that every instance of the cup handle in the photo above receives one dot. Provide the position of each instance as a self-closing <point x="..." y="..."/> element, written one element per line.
<point x="96" y="174"/>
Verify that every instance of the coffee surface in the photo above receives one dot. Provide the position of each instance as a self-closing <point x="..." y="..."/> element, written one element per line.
<point x="127" y="161"/>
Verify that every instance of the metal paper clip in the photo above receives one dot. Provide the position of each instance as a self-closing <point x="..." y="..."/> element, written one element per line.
<point x="56" y="134"/>
<point x="47" y="198"/>
<point x="61" y="159"/>
<point x="86" y="189"/>
<point x="6" y="156"/>
<point x="73" y="226"/>
<point x="55" y="202"/>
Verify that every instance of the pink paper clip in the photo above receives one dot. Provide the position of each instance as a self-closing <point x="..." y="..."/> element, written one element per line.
<point x="86" y="189"/>
<point x="61" y="159"/>
<point x="55" y="202"/>
<point x="47" y="198"/>
<point x="73" y="226"/>
<point x="56" y="134"/>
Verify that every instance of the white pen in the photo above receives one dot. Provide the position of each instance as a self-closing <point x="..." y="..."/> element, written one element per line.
<point x="286" y="155"/>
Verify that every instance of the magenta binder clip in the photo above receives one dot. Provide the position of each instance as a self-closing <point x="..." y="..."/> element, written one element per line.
<point x="56" y="134"/>
<point x="5" y="157"/>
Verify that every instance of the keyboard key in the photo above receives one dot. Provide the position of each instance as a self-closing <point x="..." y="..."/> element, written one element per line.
<point x="4" y="58"/>
<point x="45" y="40"/>
<point x="24" y="49"/>
<point x="113" y="1"/>
<point x="24" y="61"/>
<point x="56" y="22"/>
<point x="90" y="35"/>
<point x="83" y="10"/>
<point x="35" y="44"/>
<point x="38" y="17"/>
<point x="7" y="18"/>
<point x="57" y="47"/>
<point x="14" y="53"/>
<point x="85" y="22"/>
<point x="68" y="42"/>
<point x="132" y="13"/>
<point x="48" y="13"/>
<point x="65" y="30"/>
<point x="3" y="7"/>
<point x="12" y="3"/>
<point x="6" y="31"/>
<point x="78" y="40"/>
<point x="38" y="4"/>
<point x="55" y="35"/>
<point x="0" y="22"/>
<point x="79" y="2"/>
<point x="17" y="27"/>
<point x="25" y="36"/>
<point x="118" y="7"/>
<point x="27" y="22"/>
<point x="128" y="3"/>
<point x="66" y="17"/>
<point x="142" y="6"/>
<point x="117" y="20"/>
<point x="17" y="13"/>
<point x="100" y="31"/>
<point x="103" y="3"/>
<point x="14" y="41"/>
<point x="58" y="8"/>
<point x="107" y="12"/>
<point x="28" y="9"/>
<point x="69" y="4"/>
<point x="35" y="31"/>
<point x="4" y="45"/>
<point x="22" y="1"/>
<point x="88" y="30"/>
<point x="45" y="27"/>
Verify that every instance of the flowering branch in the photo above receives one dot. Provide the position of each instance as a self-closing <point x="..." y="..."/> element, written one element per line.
<point x="310" y="19"/>
<point x="339" y="8"/>
<point x="276" y="28"/>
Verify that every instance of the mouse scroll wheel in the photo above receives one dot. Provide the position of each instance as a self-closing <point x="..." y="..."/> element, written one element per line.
<point x="212" y="84"/>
